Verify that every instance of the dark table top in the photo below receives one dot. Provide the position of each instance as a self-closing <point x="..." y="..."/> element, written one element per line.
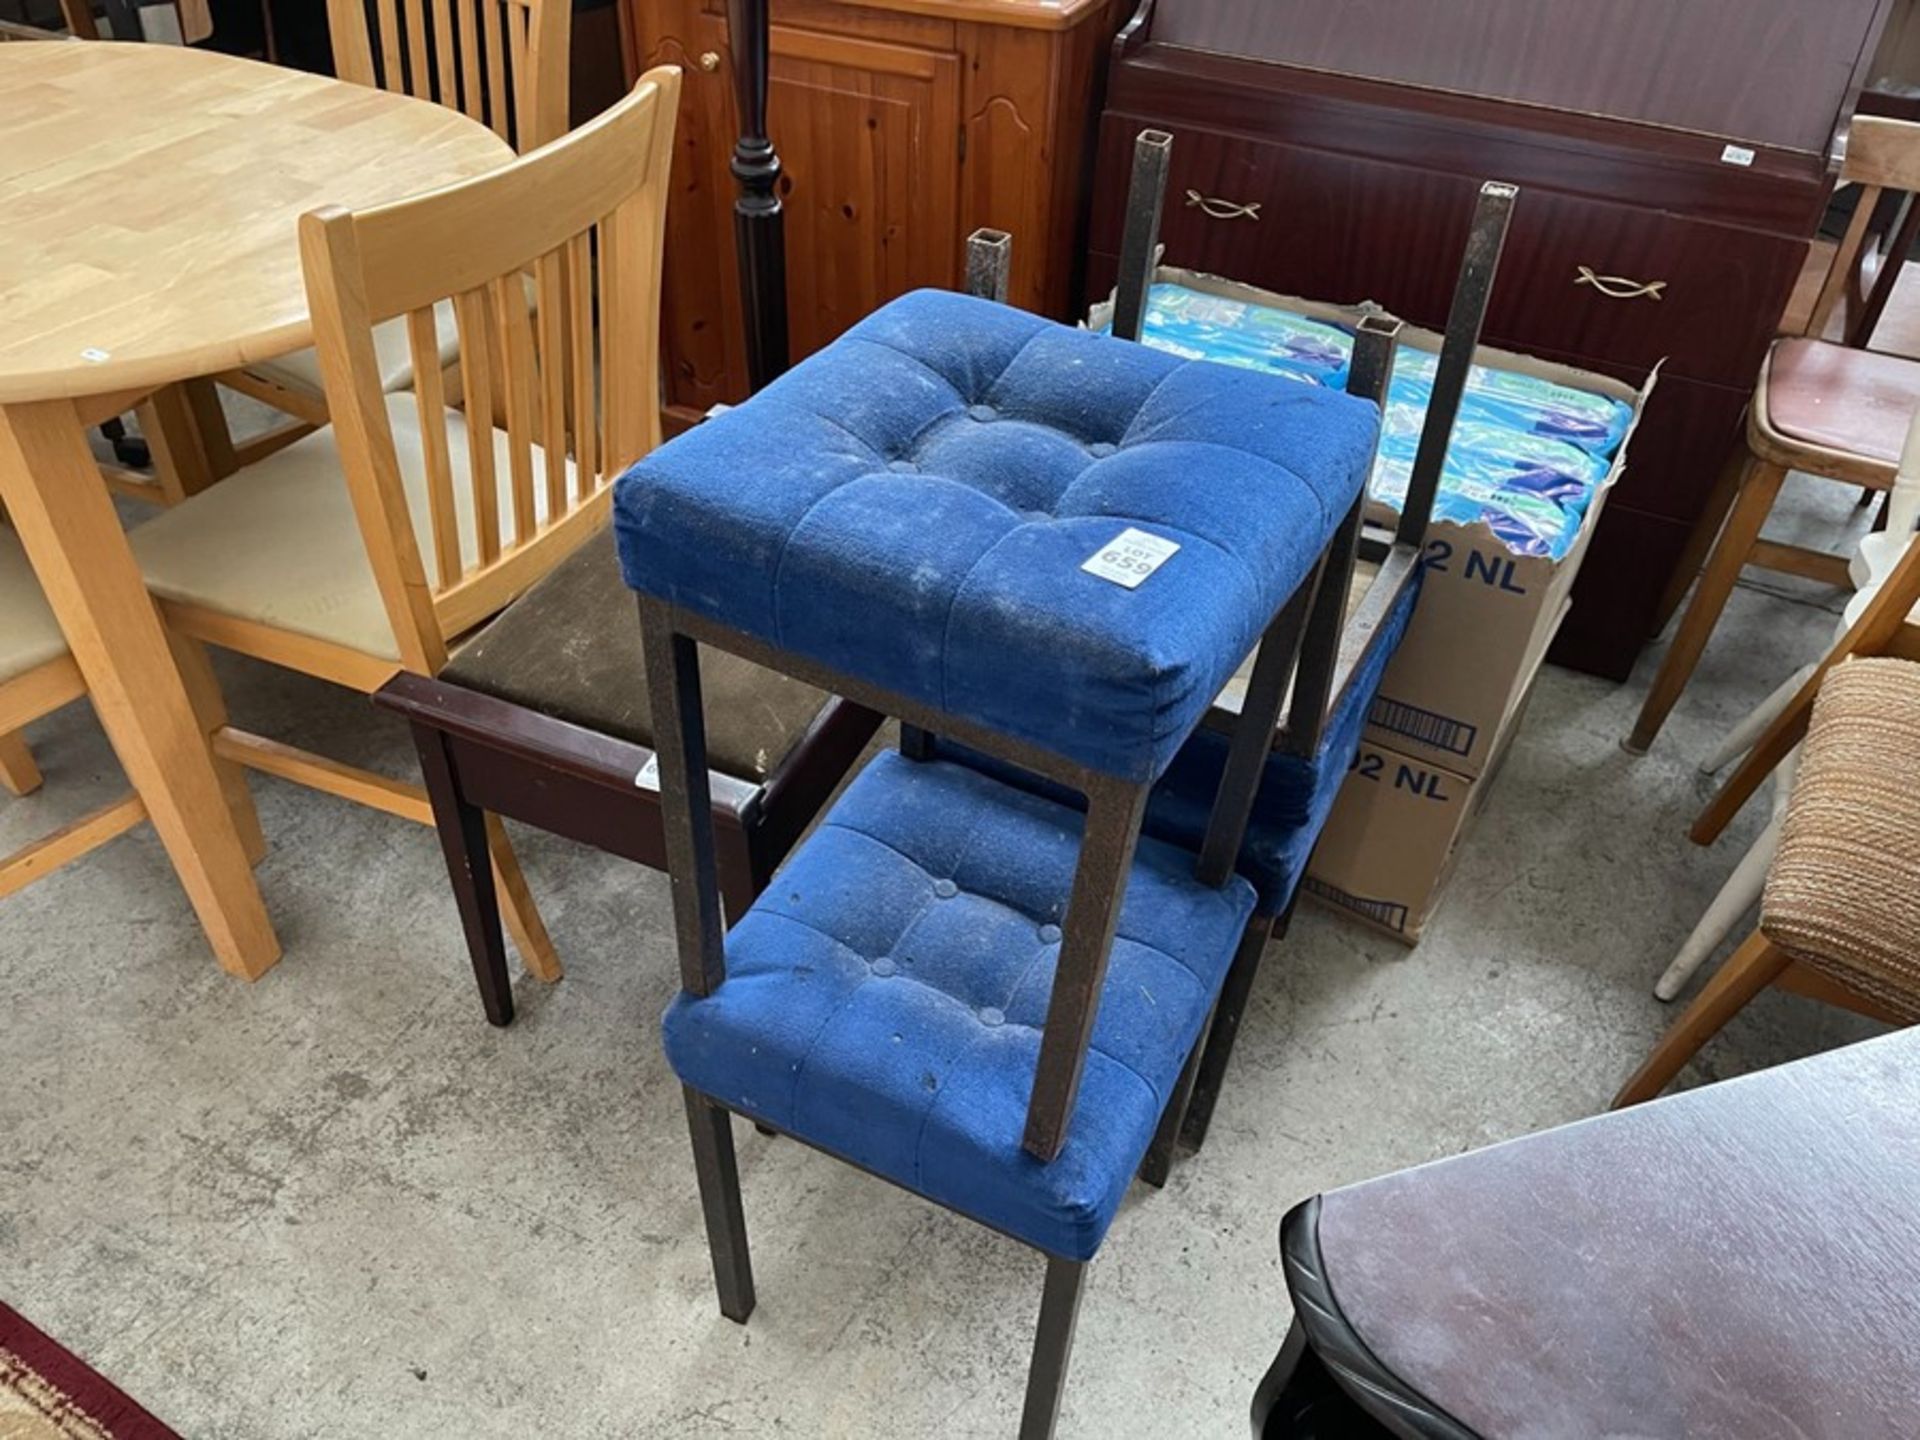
<point x="1739" y="1261"/>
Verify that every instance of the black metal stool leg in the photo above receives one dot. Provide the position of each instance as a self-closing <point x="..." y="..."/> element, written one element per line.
<point x="463" y="840"/>
<point x="1218" y="1047"/>
<point x="1158" y="1164"/>
<point x="1052" y="1347"/>
<point x="711" y="1127"/>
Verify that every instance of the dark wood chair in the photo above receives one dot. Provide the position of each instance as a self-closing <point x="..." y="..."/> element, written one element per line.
<point x="545" y="718"/>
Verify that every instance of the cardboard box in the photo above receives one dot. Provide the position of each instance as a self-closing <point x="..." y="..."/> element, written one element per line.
<point x="1486" y="615"/>
<point x="1478" y="635"/>
<point x="1393" y="836"/>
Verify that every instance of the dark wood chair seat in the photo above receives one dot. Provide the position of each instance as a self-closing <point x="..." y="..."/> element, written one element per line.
<point x="1855" y="402"/>
<point x="570" y="649"/>
<point x="544" y="717"/>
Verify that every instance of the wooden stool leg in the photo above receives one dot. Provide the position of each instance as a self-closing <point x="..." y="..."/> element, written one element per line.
<point x="1758" y="489"/>
<point x="1052" y="1347"/>
<point x="17" y="770"/>
<point x="1748" y="971"/>
<point x="524" y="924"/>
<point x="712" y="1130"/>
<point x="463" y="840"/>
<point x="1726" y="485"/>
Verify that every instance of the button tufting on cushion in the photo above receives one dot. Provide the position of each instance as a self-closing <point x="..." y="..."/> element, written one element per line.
<point x="960" y="585"/>
<point x="798" y="1036"/>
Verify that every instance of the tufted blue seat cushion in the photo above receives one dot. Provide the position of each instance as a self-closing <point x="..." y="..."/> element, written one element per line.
<point x="884" y="998"/>
<point x="912" y="506"/>
<point x="1294" y="798"/>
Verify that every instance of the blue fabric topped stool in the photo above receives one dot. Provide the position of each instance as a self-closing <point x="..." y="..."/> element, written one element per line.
<point x="884" y="998"/>
<point x="913" y="504"/>
<point x="1295" y="796"/>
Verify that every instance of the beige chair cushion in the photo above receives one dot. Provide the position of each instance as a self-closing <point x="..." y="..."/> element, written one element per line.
<point x="29" y="635"/>
<point x="279" y="543"/>
<point x="1844" y="892"/>
<point x="301" y="370"/>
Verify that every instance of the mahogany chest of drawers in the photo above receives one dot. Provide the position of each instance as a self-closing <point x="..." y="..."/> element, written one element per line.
<point x="1674" y="161"/>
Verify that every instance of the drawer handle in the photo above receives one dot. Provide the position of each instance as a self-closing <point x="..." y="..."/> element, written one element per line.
<point x="1222" y="209"/>
<point x="1617" y="287"/>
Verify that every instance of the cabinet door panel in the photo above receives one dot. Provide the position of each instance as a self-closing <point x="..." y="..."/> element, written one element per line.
<point x="866" y="133"/>
<point x="700" y="325"/>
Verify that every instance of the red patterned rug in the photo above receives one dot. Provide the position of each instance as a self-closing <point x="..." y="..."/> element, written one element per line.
<point x="49" y="1393"/>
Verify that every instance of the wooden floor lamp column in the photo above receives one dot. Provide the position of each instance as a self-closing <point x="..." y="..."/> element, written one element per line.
<point x="758" y="226"/>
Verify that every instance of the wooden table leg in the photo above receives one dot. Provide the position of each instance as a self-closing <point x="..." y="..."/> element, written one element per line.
<point x="73" y="538"/>
<point x="187" y="432"/>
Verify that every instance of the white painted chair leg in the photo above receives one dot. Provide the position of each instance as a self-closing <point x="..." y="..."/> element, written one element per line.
<point x="1740" y="739"/>
<point x="1739" y="895"/>
<point x="1729" y="908"/>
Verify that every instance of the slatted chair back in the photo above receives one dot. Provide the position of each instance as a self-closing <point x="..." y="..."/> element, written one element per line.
<point x="552" y="265"/>
<point x="1882" y="154"/>
<point x="503" y="62"/>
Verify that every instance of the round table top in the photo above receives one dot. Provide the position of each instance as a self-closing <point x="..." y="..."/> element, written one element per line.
<point x="149" y="201"/>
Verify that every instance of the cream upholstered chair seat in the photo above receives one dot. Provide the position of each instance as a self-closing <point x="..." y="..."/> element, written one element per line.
<point x="301" y="369"/>
<point x="29" y="635"/>
<point x="279" y="542"/>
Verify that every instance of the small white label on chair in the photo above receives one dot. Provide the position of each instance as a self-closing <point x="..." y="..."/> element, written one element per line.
<point x="94" y="355"/>
<point x="649" y="776"/>
<point x="1130" y="557"/>
<point x="1736" y="155"/>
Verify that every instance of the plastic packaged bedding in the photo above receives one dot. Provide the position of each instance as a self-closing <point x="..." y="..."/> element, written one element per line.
<point x="1527" y="454"/>
<point x="1528" y="403"/>
<point x="1199" y="326"/>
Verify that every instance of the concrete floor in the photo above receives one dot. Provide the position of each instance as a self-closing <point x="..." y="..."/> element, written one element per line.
<point x="337" y="1203"/>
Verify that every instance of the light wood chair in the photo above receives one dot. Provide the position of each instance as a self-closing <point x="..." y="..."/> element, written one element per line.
<point x="1842" y="900"/>
<point x="1884" y="628"/>
<point x="502" y="62"/>
<point x="1872" y="567"/>
<point x="442" y="518"/>
<point x="1822" y="409"/>
<point x="37" y="677"/>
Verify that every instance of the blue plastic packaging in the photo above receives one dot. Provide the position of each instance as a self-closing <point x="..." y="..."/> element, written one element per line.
<point x="1198" y="326"/>
<point x="1526" y="403"/>
<point x="1527" y="454"/>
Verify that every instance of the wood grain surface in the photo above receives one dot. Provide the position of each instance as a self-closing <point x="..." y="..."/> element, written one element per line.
<point x="148" y="198"/>
<point x="1738" y="1262"/>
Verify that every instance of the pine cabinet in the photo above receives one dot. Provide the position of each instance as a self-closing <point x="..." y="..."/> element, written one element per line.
<point x="902" y="126"/>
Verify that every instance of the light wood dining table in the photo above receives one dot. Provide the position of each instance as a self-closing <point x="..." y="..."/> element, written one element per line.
<point x="149" y="196"/>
